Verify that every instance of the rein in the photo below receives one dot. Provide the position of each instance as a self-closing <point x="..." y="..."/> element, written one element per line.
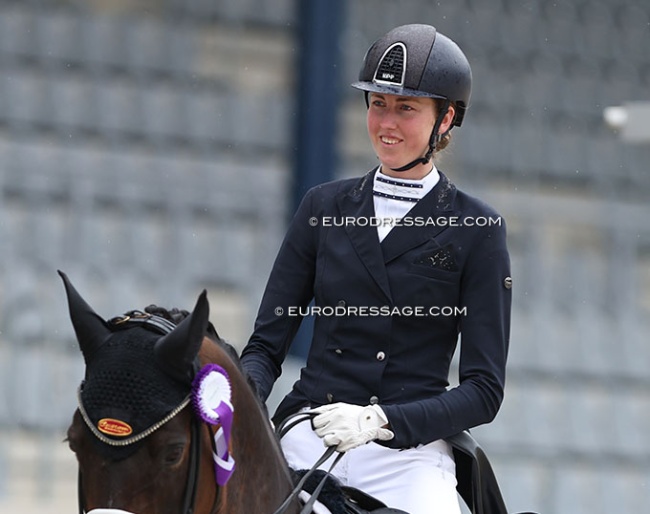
<point x="284" y="427"/>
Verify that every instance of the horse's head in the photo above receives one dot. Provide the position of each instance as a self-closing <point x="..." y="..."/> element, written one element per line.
<point x="132" y="433"/>
<point x="140" y="448"/>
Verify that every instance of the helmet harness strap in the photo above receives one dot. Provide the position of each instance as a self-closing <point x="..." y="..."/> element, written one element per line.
<point x="433" y="140"/>
<point x="399" y="63"/>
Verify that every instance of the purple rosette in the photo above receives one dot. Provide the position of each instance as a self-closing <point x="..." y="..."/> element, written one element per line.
<point x="211" y="397"/>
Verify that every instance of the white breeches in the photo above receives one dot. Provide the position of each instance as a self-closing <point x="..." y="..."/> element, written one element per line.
<point x="419" y="480"/>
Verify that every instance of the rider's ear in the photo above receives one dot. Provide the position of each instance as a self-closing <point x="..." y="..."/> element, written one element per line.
<point x="176" y="351"/>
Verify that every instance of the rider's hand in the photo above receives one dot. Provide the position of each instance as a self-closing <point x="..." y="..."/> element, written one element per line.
<point x="347" y="426"/>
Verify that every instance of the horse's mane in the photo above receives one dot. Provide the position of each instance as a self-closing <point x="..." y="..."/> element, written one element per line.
<point x="176" y="315"/>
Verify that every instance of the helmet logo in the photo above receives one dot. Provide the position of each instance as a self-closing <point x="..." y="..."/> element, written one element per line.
<point x="391" y="66"/>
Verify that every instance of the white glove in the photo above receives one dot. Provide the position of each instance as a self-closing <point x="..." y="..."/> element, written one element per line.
<point x="347" y="426"/>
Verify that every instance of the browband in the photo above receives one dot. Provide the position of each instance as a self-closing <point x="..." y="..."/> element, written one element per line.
<point x="150" y="321"/>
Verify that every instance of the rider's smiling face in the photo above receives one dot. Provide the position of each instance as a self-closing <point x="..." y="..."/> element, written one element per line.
<point x="399" y="128"/>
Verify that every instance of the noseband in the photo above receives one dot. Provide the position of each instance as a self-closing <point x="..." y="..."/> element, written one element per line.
<point x="162" y="326"/>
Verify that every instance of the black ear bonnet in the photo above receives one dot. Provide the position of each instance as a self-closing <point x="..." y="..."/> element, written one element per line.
<point x="139" y="370"/>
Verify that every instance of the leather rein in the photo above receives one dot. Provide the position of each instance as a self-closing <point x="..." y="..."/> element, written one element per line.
<point x="286" y="425"/>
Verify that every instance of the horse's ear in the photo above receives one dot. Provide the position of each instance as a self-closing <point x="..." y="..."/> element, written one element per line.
<point x="90" y="328"/>
<point x="176" y="351"/>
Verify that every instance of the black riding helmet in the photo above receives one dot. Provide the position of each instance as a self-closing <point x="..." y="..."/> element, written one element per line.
<point x="416" y="60"/>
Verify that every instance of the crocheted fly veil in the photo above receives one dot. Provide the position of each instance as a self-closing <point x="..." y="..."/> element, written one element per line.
<point x="139" y="371"/>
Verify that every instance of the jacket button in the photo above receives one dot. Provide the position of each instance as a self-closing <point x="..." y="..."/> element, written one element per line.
<point x="341" y="303"/>
<point x="330" y="397"/>
<point x="338" y="351"/>
<point x="381" y="356"/>
<point x="507" y="282"/>
<point x="374" y="400"/>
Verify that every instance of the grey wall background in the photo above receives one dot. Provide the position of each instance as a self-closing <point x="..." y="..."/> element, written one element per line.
<point x="146" y="150"/>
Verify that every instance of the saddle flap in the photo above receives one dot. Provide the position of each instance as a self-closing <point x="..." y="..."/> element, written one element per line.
<point x="357" y="497"/>
<point x="477" y="483"/>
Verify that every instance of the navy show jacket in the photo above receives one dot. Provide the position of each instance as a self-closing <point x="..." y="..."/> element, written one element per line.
<point x="332" y="254"/>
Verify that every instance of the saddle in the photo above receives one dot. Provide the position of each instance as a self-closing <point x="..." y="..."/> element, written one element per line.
<point x="477" y="485"/>
<point x="340" y="499"/>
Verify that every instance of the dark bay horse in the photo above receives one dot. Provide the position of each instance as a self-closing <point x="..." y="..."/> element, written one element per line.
<point x="140" y="446"/>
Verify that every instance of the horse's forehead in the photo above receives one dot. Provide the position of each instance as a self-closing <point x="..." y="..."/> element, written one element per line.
<point x="129" y="353"/>
<point x="123" y="381"/>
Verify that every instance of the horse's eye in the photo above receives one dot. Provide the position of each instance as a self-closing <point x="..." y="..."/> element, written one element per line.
<point x="173" y="453"/>
<point x="71" y="444"/>
<point x="72" y="438"/>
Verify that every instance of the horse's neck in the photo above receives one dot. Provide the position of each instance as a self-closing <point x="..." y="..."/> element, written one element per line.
<point x="256" y="434"/>
<point x="262" y="480"/>
<point x="272" y="479"/>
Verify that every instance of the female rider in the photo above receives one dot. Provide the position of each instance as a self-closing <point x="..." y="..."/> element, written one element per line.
<point x="399" y="263"/>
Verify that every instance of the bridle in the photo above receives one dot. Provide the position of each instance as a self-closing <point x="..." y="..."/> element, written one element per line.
<point x="161" y="326"/>
<point x="191" y="484"/>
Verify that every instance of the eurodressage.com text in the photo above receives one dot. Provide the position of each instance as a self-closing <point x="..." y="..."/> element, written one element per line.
<point x="406" y="221"/>
<point x="372" y="311"/>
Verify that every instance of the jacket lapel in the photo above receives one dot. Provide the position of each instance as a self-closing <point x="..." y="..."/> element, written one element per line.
<point x="358" y="204"/>
<point x="431" y="213"/>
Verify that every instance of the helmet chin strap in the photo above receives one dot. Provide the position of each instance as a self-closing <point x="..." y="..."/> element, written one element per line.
<point x="433" y="141"/>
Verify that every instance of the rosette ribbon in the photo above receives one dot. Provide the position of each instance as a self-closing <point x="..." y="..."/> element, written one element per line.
<point x="211" y="396"/>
